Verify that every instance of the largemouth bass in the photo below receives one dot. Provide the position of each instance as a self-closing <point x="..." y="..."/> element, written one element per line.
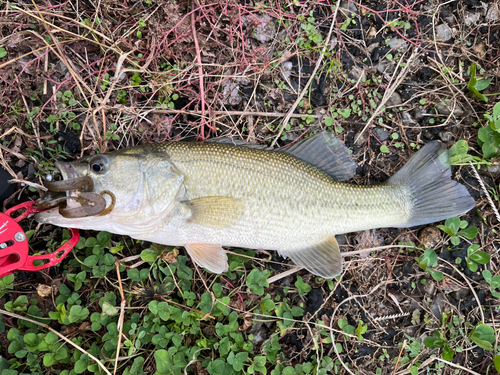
<point x="207" y="195"/>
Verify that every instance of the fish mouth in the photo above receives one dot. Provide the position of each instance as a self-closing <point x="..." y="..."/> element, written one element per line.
<point x="74" y="195"/>
<point x="67" y="173"/>
<point x="65" y="190"/>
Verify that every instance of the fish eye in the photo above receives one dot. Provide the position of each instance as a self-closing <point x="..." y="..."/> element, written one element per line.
<point x="98" y="165"/>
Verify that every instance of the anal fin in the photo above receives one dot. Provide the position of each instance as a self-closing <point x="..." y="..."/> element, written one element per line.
<point x="322" y="259"/>
<point x="211" y="257"/>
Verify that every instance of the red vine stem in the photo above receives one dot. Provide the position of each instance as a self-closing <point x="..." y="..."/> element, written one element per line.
<point x="200" y="73"/>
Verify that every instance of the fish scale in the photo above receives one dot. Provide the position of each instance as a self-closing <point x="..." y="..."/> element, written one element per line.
<point x="290" y="194"/>
<point x="207" y="195"/>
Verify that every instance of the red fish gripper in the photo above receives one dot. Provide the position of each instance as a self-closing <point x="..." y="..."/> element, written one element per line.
<point x="14" y="249"/>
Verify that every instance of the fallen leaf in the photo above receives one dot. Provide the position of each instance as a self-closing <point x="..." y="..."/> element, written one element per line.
<point x="44" y="290"/>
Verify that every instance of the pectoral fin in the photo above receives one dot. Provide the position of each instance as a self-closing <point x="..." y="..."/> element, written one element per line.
<point x="323" y="259"/>
<point x="211" y="257"/>
<point x="215" y="212"/>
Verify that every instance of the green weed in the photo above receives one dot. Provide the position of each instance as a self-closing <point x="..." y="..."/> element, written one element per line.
<point x="456" y="228"/>
<point x="489" y="135"/>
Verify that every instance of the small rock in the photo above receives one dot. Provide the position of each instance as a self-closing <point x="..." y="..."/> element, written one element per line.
<point x="447" y="106"/>
<point x="480" y="49"/>
<point x="381" y="134"/>
<point x="446" y="136"/>
<point x="380" y="67"/>
<point x="260" y="336"/>
<point x="208" y="331"/>
<point x="333" y="42"/>
<point x="460" y="294"/>
<point x="361" y="140"/>
<point x="443" y="32"/>
<point x="429" y="287"/>
<point x="372" y="33"/>
<point x="407" y="119"/>
<point x="494" y="170"/>
<point x="269" y="324"/>
<point x="348" y="7"/>
<point x="419" y="113"/>
<point x="430" y="237"/>
<point x="438" y="306"/>
<point x="31" y="170"/>
<point x="230" y="92"/>
<point x="372" y="47"/>
<point x="357" y="73"/>
<point x="286" y="70"/>
<point x="385" y="68"/>
<point x="394" y="100"/>
<point x="20" y="163"/>
<point x="471" y="18"/>
<point x="398" y="43"/>
<point x="447" y="16"/>
<point x="491" y="11"/>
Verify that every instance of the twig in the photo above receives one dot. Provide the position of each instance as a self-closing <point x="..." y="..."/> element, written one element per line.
<point x="332" y="318"/>
<point x="313" y="75"/>
<point x="281" y="275"/>
<point x="222" y="113"/>
<point x="118" y="73"/>
<point x="432" y="359"/>
<point x="120" y="319"/>
<point x="316" y="346"/>
<point x="200" y="72"/>
<point x="344" y="254"/>
<point x="239" y="295"/>
<point x="193" y="360"/>
<point x="16" y="154"/>
<point x="5" y="312"/>
<point x="388" y="93"/>
<point x="208" y="290"/>
<point x="479" y="179"/>
<point x="29" y="183"/>
<point x="399" y="357"/>
<point x="393" y="316"/>
<point x="323" y="326"/>
<point x="470" y="286"/>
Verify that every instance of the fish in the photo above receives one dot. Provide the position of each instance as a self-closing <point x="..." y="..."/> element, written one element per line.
<point x="294" y="200"/>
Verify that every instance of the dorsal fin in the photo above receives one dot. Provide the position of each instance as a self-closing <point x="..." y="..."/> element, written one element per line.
<point x="323" y="150"/>
<point x="239" y="142"/>
<point x="327" y="153"/>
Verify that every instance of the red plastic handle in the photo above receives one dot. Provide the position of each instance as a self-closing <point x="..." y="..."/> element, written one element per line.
<point x="13" y="245"/>
<point x="53" y="258"/>
<point x="14" y="255"/>
<point x="28" y="206"/>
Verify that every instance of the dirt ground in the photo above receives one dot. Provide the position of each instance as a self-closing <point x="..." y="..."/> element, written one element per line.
<point x="387" y="77"/>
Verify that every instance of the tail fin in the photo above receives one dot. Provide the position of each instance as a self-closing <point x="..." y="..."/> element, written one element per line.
<point x="433" y="195"/>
